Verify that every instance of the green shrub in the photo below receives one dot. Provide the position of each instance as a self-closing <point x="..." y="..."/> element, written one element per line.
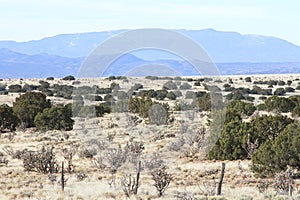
<point x="279" y="92"/>
<point x="28" y="105"/>
<point x="269" y="127"/>
<point x="54" y="118"/>
<point x="177" y="93"/>
<point x="69" y="78"/>
<point x="190" y="95"/>
<point x="203" y="103"/>
<point x="235" y="95"/>
<point x="281" y="83"/>
<point x="289" y="89"/>
<point x="296" y="111"/>
<point x="161" y="94"/>
<point x="276" y="155"/>
<point x="15" y="88"/>
<point x="114" y="86"/>
<point x="29" y="88"/>
<point x="158" y="114"/>
<point x="171" y="96"/>
<point x="143" y="105"/>
<point x="170" y="85"/>
<point x="8" y="120"/>
<point x="136" y="87"/>
<point x="50" y="78"/>
<point x="182" y="106"/>
<point x="185" y="86"/>
<point x="102" y="108"/>
<point x="103" y="90"/>
<point x="241" y="108"/>
<point x="150" y="93"/>
<point x="279" y="104"/>
<point x="233" y="138"/>
<point x="43" y="84"/>
<point x="258" y="90"/>
<point x="248" y="79"/>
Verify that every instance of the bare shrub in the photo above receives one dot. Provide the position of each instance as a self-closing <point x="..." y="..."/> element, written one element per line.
<point x="128" y="184"/>
<point x="87" y="152"/>
<point x="284" y="182"/>
<point x="100" y="144"/>
<point x="263" y="186"/>
<point x="52" y="178"/>
<point x="99" y="162"/>
<point x="155" y="162"/>
<point x="3" y="159"/>
<point x="176" y="144"/>
<point x="161" y="180"/>
<point x="81" y="176"/>
<point x="68" y="155"/>
<point x="194" y="140"/>
<point x="208" y="187"/>
<point x="184" y="196"/>
<point x="115" y="157"/>
<point x="19" y="154"/>
<point x="134" y="150"/>
<point x="251" y="147"/>
<point x="42" y="161"/>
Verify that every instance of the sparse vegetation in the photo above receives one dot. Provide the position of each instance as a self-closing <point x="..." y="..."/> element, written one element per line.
<point x="148" y="138"/>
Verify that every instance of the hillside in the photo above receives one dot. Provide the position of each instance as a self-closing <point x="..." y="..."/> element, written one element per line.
<point x="221" y="46"/>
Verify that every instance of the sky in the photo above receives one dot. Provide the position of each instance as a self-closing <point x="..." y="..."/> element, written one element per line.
<point x="23" y="20"/>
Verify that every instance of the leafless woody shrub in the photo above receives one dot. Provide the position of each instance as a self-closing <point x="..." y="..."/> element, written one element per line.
<point x="251" y="147"/>
<point x="115" y="158"/>
<point x="42" y="161"/>
<point x="155" y="162"/>
<point x="208" y="187"/>
<point x="161" y="180"/>
<point x="184" y="196"/>
<point x="263" y="186"/>
<point x="284" y="182"/>
<point x="81" y="176"/>
<point x="68" y="155"/>
<point x="3" y="159"/>
<point x="128" y="184"/>
<point x="135" y="150"/>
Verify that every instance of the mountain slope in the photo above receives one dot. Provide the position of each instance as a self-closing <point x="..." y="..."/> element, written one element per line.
<point x="221" y="46"/>
<point x="16" y="65"/>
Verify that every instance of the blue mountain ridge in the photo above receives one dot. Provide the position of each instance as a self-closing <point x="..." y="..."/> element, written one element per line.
<point x="232" y="52"/>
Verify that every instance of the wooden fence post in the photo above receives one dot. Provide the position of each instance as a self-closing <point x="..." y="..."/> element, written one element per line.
<point x="221" y="180"/>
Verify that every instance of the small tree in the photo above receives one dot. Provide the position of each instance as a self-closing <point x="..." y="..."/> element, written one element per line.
<point x="55" y="118"/>
<point x="28" y="105"/>
<point x="8" y="120"/>
<point x="161" y="180"/>
<point x="276" y="155"/>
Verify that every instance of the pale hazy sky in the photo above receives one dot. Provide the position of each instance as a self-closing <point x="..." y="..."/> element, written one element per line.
<point x="23" y="20"/>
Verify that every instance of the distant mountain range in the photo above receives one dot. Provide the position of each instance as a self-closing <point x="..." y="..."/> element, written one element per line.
<point x="17" y="65"/>
<point x="63" y="54"/>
